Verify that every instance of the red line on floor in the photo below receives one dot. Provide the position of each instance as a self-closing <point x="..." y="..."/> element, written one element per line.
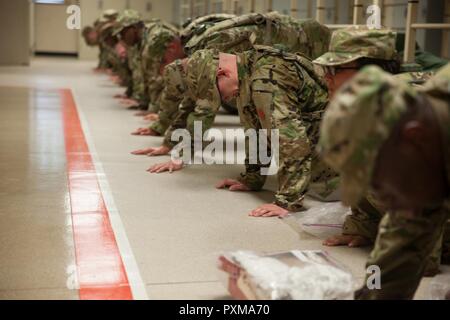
<point x="101" y="272"/>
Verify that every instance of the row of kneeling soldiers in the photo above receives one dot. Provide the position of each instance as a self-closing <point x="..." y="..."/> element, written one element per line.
<point x="349" y="115"/>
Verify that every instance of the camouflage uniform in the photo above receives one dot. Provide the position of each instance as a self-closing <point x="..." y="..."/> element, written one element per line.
<point x="103" y="62"/>
<point x="137" y="76"/>
<point x="356" y="42"/>
<point x="357" y="123"/>
<point x="351" y="44"/>
<point x="277" y="90"/>
<point x="240" y="34"/>
<point x="415" y="78"/>
<point x="107" y="16"/>
<point x="118" y="66"/>
<point x="124" y="72"/>
<point x="282" y="91"/>
<point x="199" y="81"/>
<point x="171" y="97"/>
<point x="137" y="88"/>
<point x="157" y="36"/>
<point x="201" y="24"/>
<point x="146" y="57"/>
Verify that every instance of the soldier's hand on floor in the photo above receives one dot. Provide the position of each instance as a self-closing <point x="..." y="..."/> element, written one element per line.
<point x="159" y="151"/>
<point x="145" y="132"/>
<point x="346" y="240"/>
<point x="171" y="166"/>
<point x="142" y="152"/>
<point x="99" y="70"/>
<point x="141" y="113"/>
<point x="269" y="210"/>
<point x="232" y="185"/>
<point x="115" y="79"/>
<point x="129" y="102"/>
<point x="151" y="117"/>
<point x="120" y="96"/>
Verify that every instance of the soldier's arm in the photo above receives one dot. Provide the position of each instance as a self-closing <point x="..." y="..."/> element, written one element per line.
<point x="179" y="122"/>
<point x="155" y="88"/>
<point x="203" y="113"/>
<point x="252" y="177"/>
<point x="276" y="98"/>
<point x="139" y="92"/>
<point x="190" y="112"/>
<point x="153" y="81"/>
<point x="169" y="104"/>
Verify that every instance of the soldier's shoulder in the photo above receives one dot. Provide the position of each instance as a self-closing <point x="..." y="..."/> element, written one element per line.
<point x="414" y="78"/>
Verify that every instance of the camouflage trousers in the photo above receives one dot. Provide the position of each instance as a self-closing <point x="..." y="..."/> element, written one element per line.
<point x="406" y="247"/>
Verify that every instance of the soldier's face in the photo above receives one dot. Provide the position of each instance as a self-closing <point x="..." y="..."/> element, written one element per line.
<point x="174" y="51"/>
<point x="228" y="87"/>
<point x="92" y="38"/>
<point x="227" y="77"/>
<point x="337" y="76"/>
<point x="409" y="173"/>
<point x="111" y="41"/>
<point x="130" y="36"/>
<point x="121" y="50"/>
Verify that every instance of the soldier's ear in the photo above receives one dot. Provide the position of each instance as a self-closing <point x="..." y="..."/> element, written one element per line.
<point x="221" y="72"/>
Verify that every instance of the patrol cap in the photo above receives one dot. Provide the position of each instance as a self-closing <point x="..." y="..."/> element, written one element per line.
<point x="355" y="42"/>
<point x="126" y="19"/>
<point x="110" y="14"/>
<point x="107" y="29"/>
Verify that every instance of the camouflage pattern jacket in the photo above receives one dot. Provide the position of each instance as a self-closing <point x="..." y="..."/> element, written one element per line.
<point x="157" y="36"/>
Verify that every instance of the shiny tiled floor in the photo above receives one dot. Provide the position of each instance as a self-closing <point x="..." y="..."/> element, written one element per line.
<point x="176" y="224"/>
<point x="35" y="232"/>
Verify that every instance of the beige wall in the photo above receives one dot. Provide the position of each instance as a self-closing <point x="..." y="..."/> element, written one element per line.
<point x="162" y="9"/>
<point x="15" y="32"/>
<point x="31" y="29"/>
<point x="50" y="31"/>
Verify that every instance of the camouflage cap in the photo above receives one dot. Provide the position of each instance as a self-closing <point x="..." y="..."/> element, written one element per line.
<point x="107" y="29"/>
<point x="110" y="14"/>
<point x="355" y="42"/>
<point x="201" y="78"/>
<point x="357" y="123"/>
<point x="126" y="19"/>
